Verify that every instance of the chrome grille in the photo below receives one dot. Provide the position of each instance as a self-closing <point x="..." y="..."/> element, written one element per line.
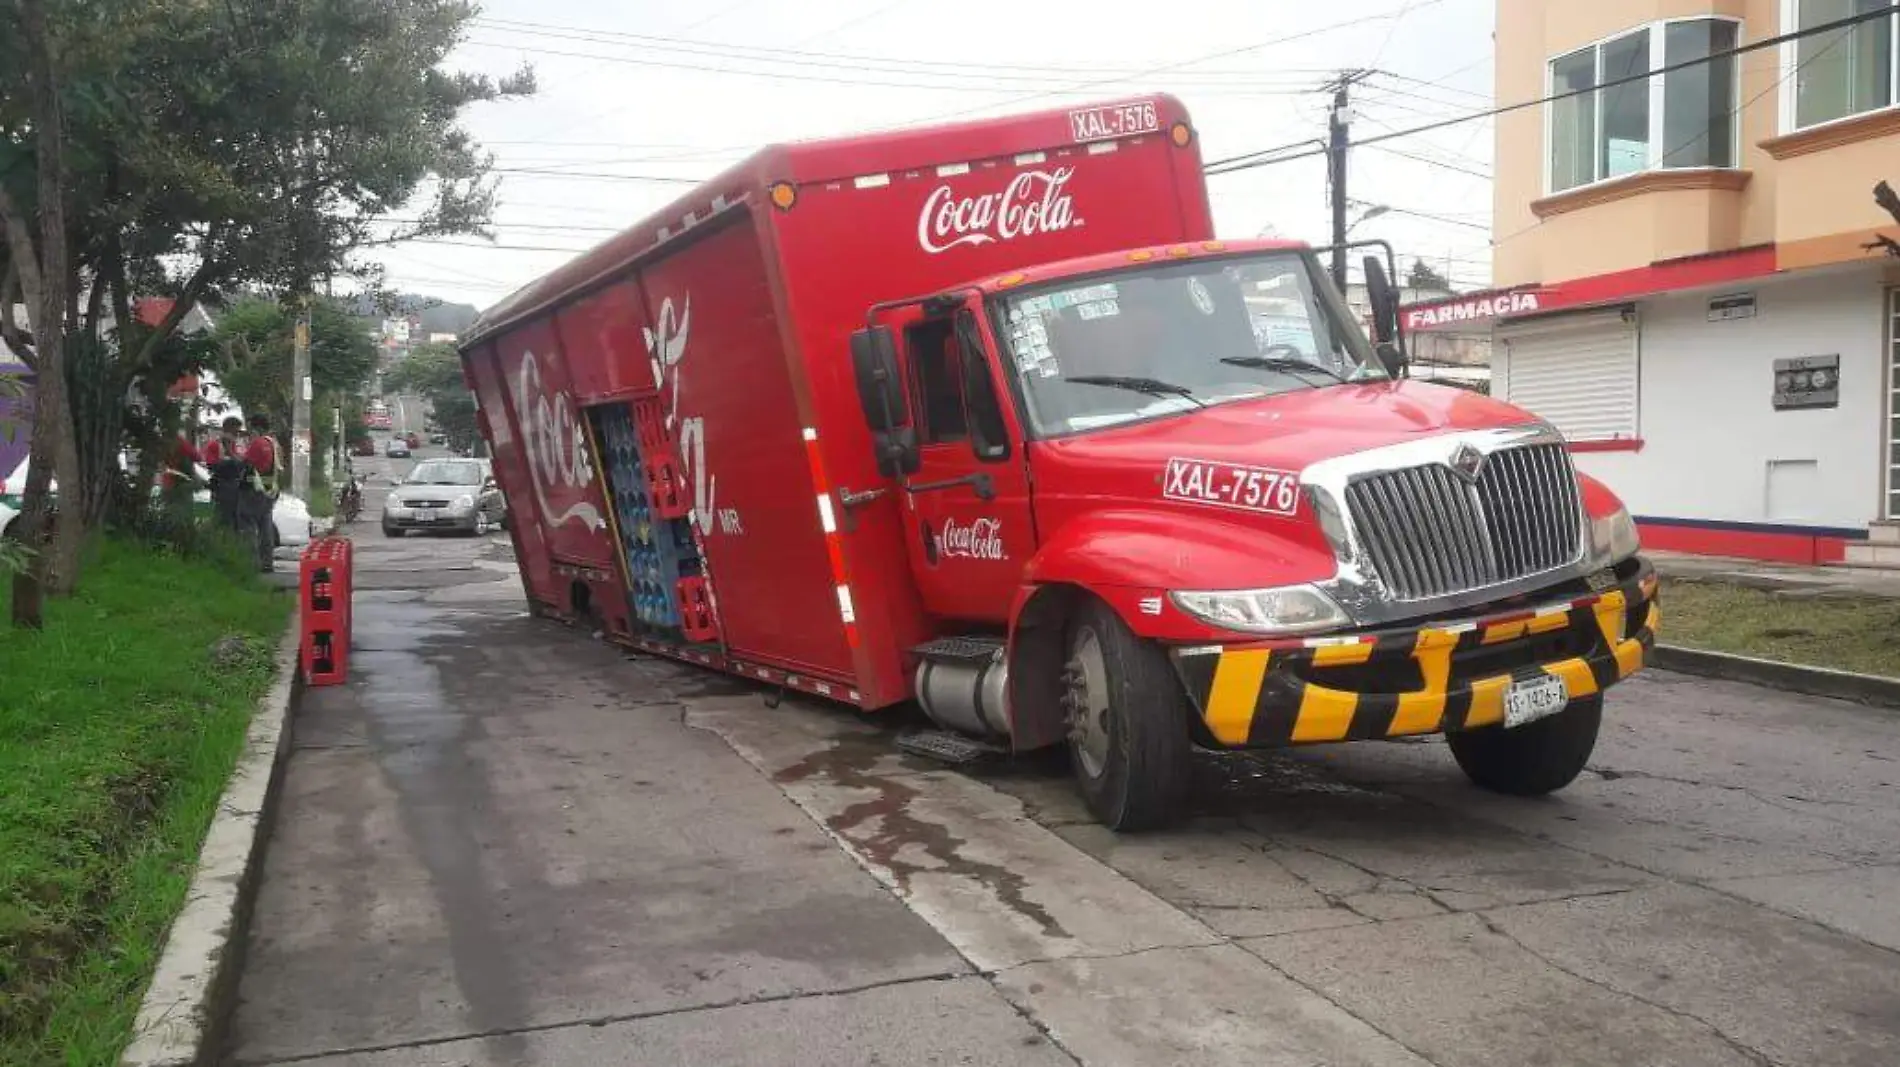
<point x="1429" y="532"/>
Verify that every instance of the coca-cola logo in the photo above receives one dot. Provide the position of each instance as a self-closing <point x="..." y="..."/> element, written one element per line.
<point x="982" y="539"/>
<point x="556" y="446"/>
<point x="1033" y="202"/>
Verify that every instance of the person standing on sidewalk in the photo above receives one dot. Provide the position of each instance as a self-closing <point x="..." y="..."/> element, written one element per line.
<point x="261" y="455"/>
<point x="224" y="458"/>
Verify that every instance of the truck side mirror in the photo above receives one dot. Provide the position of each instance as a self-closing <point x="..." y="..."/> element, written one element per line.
<point x="1386" y="342"/>
<point x="880" y="387"/>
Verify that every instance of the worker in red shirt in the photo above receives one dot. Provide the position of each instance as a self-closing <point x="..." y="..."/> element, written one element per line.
<point x="260" y="453"/>
<point x="176" y="480"/>
<point x="229" y="441"/>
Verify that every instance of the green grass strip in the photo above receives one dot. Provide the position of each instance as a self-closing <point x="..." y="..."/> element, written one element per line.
<point x="118" y="731"/>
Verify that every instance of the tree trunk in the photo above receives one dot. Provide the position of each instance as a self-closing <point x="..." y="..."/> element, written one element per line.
<point x="30" y="584"/>
<point x="59" y="564"/>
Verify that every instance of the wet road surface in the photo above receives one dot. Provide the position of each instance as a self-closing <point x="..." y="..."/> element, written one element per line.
<point x="506" y="843"/>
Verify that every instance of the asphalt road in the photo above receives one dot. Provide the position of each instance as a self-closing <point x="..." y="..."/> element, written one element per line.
<point x="507" y="843"/>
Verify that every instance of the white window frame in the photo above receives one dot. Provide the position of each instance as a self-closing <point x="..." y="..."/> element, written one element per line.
<point x="1657" y="38"/>
<point x="1790" y="60"/>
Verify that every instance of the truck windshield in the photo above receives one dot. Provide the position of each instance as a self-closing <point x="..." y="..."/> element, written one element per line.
<point x="1170" y="338"/>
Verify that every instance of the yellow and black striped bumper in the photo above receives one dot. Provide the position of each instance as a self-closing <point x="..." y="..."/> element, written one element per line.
<point x="1439" y="678"/>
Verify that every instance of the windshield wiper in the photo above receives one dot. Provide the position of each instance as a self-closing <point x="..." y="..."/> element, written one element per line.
<point x="1279" y="363"/>
<point x="1150" y="386"/>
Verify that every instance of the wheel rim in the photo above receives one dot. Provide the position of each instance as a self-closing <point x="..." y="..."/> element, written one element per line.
<point x="1086" y="700"/>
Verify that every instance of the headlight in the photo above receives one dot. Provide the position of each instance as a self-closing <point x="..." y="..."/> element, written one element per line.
<point x="1291" y="609"/>
<point x="464" y="503"/>
<point x="1614" y="535"/>
<point x="392" y="504"/>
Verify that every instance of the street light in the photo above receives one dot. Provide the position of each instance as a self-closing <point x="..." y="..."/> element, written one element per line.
<point x="1372" y="211"/>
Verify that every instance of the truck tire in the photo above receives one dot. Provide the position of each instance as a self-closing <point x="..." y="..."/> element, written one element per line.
<point x="1128" y="715"/>
<point x="1534" y="759"/>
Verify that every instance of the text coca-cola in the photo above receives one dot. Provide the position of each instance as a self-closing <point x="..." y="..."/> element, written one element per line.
<point x="982" y="539"/>
<point x="1033" y="202"/>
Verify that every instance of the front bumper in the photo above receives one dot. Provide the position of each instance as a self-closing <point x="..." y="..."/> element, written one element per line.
<point x="444" y="520"/>
<point x="1437" y="678"/>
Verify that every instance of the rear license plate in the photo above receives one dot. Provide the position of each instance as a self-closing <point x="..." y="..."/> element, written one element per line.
<point x="1531" y="699"/>
<point x="425" y="516"/>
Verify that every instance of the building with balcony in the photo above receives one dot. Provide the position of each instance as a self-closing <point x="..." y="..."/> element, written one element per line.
<point x="1691" y="279"/>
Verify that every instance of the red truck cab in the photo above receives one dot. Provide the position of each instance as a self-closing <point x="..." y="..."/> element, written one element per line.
<point x="841" y="421"/>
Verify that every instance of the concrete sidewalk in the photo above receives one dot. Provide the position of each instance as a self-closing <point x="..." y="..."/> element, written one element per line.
<point x="1787" y="578"/>
<point x="500" y="844"/>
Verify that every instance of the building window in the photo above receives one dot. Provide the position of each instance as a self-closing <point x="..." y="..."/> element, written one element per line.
<point x="1843" y="72"/>
<point x="1684" y="118"/>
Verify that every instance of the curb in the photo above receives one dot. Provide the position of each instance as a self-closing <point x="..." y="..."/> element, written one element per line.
<point x="1813" y="681"/>
<point x="181" y="1019"/>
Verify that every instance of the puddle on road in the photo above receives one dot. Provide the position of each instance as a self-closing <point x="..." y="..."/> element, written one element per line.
<point x="883" y="827"/>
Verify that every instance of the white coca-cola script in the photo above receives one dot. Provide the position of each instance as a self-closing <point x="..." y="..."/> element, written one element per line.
<point x="556" y="446"/>
<point x="1033" y="202"/>
<point x="982" y="539"/>
<point x="666" y="344"/>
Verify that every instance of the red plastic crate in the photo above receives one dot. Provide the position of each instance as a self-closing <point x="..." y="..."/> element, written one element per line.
<point x="649" y="426"/>
<point x="696" y="612"/>
<point x="324" y="616"/>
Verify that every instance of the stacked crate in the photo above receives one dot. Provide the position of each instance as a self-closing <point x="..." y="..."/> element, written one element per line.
<point x="665" y="573"/>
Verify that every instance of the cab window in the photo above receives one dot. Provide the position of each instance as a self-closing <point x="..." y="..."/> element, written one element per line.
<point x="937" y="381"/>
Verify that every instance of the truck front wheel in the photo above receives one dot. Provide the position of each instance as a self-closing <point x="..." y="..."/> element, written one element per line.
<point x="1127" y="716"/>
<point x="1533" y="759"/>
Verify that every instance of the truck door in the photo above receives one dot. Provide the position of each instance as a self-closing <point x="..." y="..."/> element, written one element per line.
<point x="967" y="511"/>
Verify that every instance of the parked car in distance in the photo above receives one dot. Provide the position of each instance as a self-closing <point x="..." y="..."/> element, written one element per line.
<point x="412" y="440"/>
<point x="363" y="446"/>
<point x="397" y="449"/>
<point x="438" y="438"/>
<point x="457" y="495"/>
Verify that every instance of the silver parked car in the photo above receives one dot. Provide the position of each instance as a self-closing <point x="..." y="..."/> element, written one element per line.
<point x="458" y="495"/>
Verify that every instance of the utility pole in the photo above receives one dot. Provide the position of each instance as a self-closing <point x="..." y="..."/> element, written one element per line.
<point x="300" y="404"/>
<point x="1339" y="125"/>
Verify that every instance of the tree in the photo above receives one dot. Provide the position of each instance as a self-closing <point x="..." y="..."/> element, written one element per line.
<point x="211" y="146"/>
<point x="38" y="268"/>
<point x="434" y="372"/>
<point x="1422" y="276"/>
<point x="254" y="338"/>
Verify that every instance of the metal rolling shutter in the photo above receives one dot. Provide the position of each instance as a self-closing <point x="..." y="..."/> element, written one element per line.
<point x="1579" y="372"/>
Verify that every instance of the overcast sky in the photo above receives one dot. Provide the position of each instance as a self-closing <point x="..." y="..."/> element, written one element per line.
<point x="678" y="88"/>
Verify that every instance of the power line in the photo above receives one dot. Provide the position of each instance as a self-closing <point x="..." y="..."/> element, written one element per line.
<point x="495" y="247"/>
<point x="1247" y="161"/>
<point x="546" y="172"/>
<point x="850" y="61"/>
<point x="784" y="75"/>
<point x="1428" y="161"/>
<point x="951" y="78"/>
<point x="1446" y="219"/>
<point x="1195" y="61"/>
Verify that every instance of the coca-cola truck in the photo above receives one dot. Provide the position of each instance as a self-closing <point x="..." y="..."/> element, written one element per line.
<point x="983" y="417"/>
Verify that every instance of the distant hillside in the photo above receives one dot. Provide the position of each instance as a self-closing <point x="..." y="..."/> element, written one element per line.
<point x="437" y="316"/>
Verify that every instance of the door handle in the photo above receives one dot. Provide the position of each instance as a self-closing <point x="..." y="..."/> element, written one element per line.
<point x="980" y="482"/>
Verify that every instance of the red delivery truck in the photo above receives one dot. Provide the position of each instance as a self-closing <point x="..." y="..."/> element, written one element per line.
<point x="982" y="416"/>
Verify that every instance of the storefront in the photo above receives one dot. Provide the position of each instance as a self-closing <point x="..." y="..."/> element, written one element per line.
<point x="1738" y="408"/>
